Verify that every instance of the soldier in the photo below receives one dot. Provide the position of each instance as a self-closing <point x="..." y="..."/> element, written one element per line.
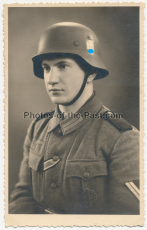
<point x="75" y="164"/>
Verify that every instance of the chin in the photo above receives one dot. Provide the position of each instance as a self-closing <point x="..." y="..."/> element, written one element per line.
<point x="57" y="100"/>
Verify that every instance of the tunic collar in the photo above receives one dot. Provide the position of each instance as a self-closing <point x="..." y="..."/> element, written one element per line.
<point x="92" y="106"/>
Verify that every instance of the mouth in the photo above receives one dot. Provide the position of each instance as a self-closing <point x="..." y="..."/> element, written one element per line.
<point x="55" y="90"/>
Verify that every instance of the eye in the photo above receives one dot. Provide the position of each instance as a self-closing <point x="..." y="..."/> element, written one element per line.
<point x="45" y="67"/>
<point x="62" y="66"/>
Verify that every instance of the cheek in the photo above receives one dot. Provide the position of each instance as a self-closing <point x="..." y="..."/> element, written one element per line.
<point x="45" y="82"/>
<point x="73" y="84"/>
<point x="73" y="87"/>
<point x="78" y="81"/>
<point x="46" y="85"/>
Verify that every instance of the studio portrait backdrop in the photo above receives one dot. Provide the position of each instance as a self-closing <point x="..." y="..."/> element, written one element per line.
<point x="118" y="31"/>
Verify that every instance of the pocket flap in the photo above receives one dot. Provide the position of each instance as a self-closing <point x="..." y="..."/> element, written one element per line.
<point x="36" y="146"/>
<point x="86" y="169"/>
<point x="34" y="161"/>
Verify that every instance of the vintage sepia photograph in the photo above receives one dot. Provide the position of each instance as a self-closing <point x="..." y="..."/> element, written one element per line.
<point x="74" y="105"/>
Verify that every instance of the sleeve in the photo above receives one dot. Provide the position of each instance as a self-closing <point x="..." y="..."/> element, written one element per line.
<point x="124" y="174"/>
<point x="21" y="199"/>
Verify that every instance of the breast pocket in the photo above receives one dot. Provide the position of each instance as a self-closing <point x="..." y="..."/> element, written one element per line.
<point x="37" y="146"/>
<point x="36" y="153"/>
<point x="91" y="176"/>
<point x="36" y="166"/>
<point x="86" y="169"/>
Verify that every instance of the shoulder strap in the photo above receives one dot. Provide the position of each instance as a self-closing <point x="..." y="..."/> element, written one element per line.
<point x="121" y="124"/>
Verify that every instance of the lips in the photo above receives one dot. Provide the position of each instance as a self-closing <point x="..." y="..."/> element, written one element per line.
<point x="55" y="90"/>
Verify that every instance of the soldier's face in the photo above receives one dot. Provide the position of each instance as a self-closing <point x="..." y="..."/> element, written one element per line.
<point x="63" y="79"/>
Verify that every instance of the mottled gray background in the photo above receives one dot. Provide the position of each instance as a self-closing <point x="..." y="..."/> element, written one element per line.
<point x="118" y="32"/>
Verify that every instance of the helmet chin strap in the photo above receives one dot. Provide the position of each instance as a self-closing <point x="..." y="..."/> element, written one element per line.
<point x="79" y="93"/>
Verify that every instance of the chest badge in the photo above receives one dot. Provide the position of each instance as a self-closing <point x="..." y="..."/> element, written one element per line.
<point x="50" y="163"/>
<point x="89" y="196"/>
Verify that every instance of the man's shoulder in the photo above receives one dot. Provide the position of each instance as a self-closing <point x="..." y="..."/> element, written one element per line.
<point x="116" y="121"/>
<point x="43" y="119"/>
<point x="43" y="116"/>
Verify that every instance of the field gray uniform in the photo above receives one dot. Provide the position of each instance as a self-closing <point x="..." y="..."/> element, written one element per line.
<point x="78" y="166"/>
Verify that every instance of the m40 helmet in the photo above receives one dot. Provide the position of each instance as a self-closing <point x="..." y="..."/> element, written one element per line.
<point x="70" y="38"/>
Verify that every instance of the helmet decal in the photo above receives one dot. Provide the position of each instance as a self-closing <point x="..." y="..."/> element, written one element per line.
<point x="90" y="51"/>
<point x="90" y="46"/>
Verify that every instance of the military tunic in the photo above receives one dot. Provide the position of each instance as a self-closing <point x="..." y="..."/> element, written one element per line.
<point x="78" y="165"/>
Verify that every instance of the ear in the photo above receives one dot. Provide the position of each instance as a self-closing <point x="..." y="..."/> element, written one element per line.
<point x="91" y="77"/>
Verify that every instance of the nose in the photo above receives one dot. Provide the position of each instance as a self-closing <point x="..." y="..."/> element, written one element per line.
<point x="52" y="77"/>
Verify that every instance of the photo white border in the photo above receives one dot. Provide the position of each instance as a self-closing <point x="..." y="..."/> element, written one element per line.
<point x="2" y="108"/>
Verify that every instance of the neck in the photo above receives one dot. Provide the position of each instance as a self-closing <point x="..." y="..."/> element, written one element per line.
<point x="88" y="91"/>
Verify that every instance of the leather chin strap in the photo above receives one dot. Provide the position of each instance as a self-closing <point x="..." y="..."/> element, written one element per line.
<point x="79" y="93"/>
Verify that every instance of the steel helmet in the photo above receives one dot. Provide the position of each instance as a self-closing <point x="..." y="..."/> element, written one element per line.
<point x="70" y="38"/>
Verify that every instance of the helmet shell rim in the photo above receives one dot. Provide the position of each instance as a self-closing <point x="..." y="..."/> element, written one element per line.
<point x="72" y="39"/>
<point x="38" y="71"/>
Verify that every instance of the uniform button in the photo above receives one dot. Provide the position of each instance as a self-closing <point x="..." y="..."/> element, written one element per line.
<point x="53" y="186"/>
<point x="55" y="158"/>
<point x="86" y="175"/>
<point x="76" y="43"/>
<point x="109" y="113"/>
<point x="59" y="132"/>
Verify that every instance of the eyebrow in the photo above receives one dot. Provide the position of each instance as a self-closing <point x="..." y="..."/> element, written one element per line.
<point x="58" y="63"/>
<point x="44" y="64"/>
